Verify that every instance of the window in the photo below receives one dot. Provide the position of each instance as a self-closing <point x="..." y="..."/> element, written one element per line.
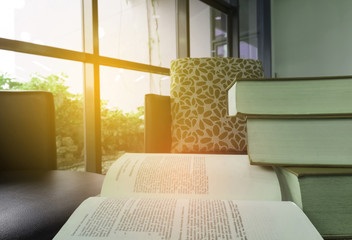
<point x="138" y="30"/>
<point x="43" y="22"/>
<point x="219" y="33"/>
<point x="102" y="56"/>
<point x="122" y="109"/>
<point x="232" y="2"/>
<point x="209" y="29"/>
<point x="47" y="52"/>
<point x="255" y="31"/>
<point x="64" y="79"/>
<point x="248" y="29"/>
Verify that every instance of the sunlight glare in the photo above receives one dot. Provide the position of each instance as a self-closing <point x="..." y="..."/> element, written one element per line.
<point x="25" y="36"/>
<point x="19" y="4"/>
<point x="139" y="78"/>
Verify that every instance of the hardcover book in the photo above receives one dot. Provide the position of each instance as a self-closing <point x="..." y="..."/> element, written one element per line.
<point x="300" y="142"/>
<point x="282" y="97"/>
<point x="324" y="195"/>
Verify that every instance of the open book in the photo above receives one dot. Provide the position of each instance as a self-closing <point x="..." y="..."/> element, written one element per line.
<point x="185" y="196"/>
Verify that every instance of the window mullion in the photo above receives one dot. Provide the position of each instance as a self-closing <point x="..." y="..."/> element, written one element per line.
<point x="233" y="33"/>
<point x="182" y="28"/>
<point x="92" y="122"/>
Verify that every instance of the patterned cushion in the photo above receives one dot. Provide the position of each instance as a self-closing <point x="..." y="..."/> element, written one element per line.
<point x="199" y="106"/>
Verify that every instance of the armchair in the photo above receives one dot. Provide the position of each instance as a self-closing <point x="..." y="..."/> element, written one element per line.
<point x="193" y="119"/>
<point x="157" y="129"/>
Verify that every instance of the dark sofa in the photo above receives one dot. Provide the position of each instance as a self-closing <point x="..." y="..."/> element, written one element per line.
<point x="35" y="199"/>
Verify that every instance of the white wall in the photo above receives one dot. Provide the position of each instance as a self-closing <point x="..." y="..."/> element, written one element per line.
<point x="311" y="37"/>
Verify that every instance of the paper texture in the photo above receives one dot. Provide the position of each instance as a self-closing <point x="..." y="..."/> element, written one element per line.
<point x="190" y="176"/>
<point x="188" y="196"/>
<point x="113" y="218"/>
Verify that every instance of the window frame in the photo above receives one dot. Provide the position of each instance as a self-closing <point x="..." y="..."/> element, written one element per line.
<point x="231" y="10"/>
<point x="183" y="26"/>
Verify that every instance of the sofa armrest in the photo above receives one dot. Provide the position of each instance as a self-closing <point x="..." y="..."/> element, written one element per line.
<point x="157" y="136"/>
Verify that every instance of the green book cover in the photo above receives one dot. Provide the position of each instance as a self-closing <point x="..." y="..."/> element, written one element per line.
<point x="318" y="96"/>
<point x="324" y="195"/>
<point x="300" y="142"/>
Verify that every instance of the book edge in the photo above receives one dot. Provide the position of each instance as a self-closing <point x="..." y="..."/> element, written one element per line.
<point x="287" y="165"/>
<point x="299" y="174"/>
<point x="296" y="78"/>
<point x="296" y="116"/>
<point x="335" y="237"/>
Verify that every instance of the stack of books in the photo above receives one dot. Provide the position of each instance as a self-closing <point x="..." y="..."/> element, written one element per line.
<point x="303" y="128"/>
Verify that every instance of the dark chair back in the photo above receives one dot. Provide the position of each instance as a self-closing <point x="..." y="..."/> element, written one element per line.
<point x="27" y="130"/>
<point x="157" y="122"/>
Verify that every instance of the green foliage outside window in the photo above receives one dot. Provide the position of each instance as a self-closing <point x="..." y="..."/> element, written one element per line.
<point x="120" y="131"/>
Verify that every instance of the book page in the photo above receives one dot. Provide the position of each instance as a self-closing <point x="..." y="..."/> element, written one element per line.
<point x="113" y="218"/>
<point x="190" y="176"/>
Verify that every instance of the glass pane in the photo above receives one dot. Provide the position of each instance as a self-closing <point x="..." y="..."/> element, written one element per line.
<point x="248" y="29"/>
<point x="220" y="25"/>
<point x="232" y="2"/>
<point x="43" y="22"/>
<point x="208" y="31"/>
<point x="65" y="80"/>
<point x="142" y="31"/>
<point x="122" y="109"/>
<point x="221" y="50"/>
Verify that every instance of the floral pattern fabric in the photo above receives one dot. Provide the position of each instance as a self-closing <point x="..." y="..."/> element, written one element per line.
<point x="199" y="105"/>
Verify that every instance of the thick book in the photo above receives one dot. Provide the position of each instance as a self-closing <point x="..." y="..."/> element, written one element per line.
<point x="283" y="97"/>
<point x="188" y="196"/>
<point x="324" y="194"/>
<point x="300" y="142"/>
